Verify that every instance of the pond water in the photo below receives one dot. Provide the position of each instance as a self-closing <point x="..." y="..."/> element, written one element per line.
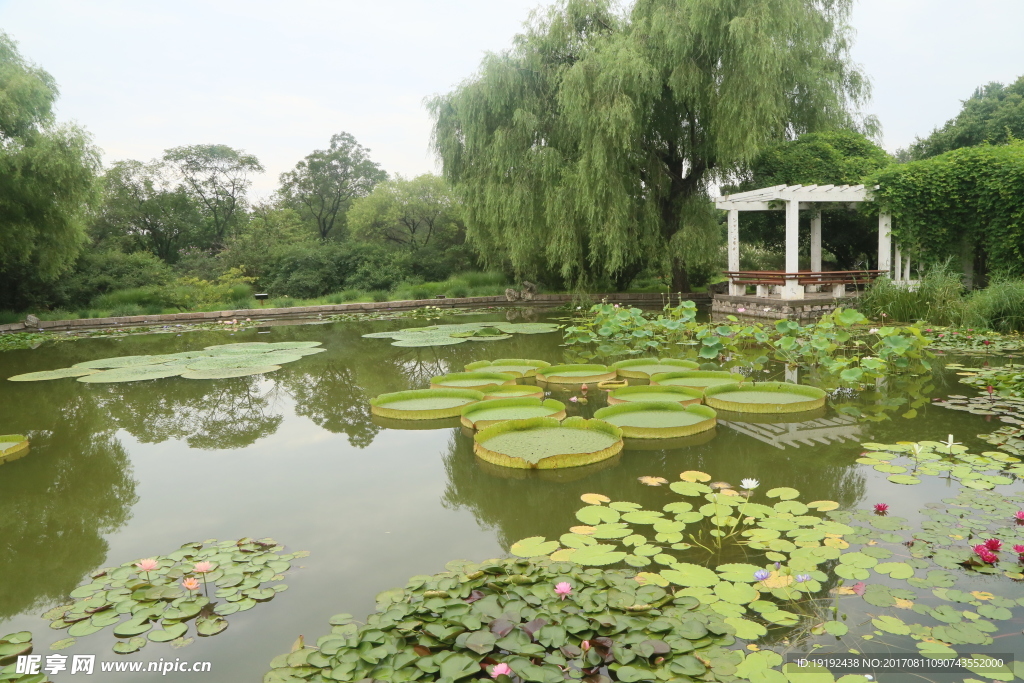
<point x="119" y="472"/>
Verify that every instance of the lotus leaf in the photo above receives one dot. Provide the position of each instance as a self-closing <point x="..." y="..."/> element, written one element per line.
<point x="543" y="443"/>
<point x="225" y="373"/>
<point x="53" y="374"/>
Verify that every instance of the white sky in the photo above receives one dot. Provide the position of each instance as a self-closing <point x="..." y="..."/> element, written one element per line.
<point x="279" y="78"/>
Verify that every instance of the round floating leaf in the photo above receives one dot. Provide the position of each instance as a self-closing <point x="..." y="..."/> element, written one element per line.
<point x="904" y="479"/>
<point x="132" y="627"/>
<point x="134" y="373"/>
<point x="210" y="626"/>
<point x="62" y="644"/>
<point x="53" y="374"/>
<point x="686" y="574"/>
<point x="897" y="570"/>
<point x="764" y="397"/>
<point x="122" y="362"/>
<point x="783" y="493"/>
<point x="295" y="345"/>
<point x="423" y="404"/>
<point x="836" y="628"/>
<point x="168" y="633"/>
<point x="654" y="420"/>
<point x="243" y="361"/>
<point x="543" y="443"/>
<point x="533" y="546"/>
<point x="226" y="373"/>
<point x="126" y="647"/>
<point x="746" y="629"/>
<point x="595" y="499"/>
<point x="485" y="413"/>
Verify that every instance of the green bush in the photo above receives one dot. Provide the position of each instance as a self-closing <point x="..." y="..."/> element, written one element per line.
<point x="380" y="295"/>
<point x="7" y="317"/>
<point x="938" y="299"/>
<point x="100" y="272"/>
<point x="1000" y="306"/>
<point x="126" y="309"/>
<point x="139" y="297"/>
<point x="283" y="302"/>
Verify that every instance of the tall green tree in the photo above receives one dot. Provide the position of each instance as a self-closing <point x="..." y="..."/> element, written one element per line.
<point x="47" y="177"/>
<point x="218" y="177"/>
<point x="590" y="145"/>
<point x="836" y="157"/>
<point x="145" y="209"/>
<point x="993" y="114"/>
<point x="324" y="184"/>
<point x="410" y="215"/>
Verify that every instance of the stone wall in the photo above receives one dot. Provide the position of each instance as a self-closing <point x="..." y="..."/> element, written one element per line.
<point x="539" y="300"/>
<point x="776" y="309"/>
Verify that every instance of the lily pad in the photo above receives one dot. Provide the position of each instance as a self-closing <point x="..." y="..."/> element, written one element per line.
<point x="575" y="374"/>
<point x="132" y="373"/>
<point x="543" y="443"/>
<point x="670" y="394"/>
<point x="644" y="368"/>
<point x="653" y="420"/>
<point x="225" y="373"/>
<point x="471" y="380"/>
<point x="424" y="404"/>
<point x="764" y="397"/>
<point x="61" y="373"/>
<point x="486" y="413"/>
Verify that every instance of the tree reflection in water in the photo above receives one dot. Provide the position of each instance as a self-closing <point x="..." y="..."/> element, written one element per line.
<point x="517" y="504"/>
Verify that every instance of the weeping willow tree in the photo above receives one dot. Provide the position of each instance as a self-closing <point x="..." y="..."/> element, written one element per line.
<point x="589" y="147"/>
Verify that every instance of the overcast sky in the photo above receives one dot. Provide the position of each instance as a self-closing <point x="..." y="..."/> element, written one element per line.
<point x="279" y="78"/>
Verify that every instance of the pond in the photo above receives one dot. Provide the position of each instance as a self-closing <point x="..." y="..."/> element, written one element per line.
<point x="120" y="472"/>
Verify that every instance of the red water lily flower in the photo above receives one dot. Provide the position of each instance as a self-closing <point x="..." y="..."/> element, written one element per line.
<point x="881" y="508"/>
<point x="993" y="544"/>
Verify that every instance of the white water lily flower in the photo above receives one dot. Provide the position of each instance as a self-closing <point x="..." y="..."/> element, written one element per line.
<point x="873" y="330"/>
<point x="750" y="484"/>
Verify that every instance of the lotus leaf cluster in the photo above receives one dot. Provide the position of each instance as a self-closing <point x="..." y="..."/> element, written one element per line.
<point x="906" y="463"/>
<point x="658" y="420"/>
<point x="214" y="362"/>
<point x="11" y="647"/>
<point x="448" y="335"/>
<point x="529" y="620"/>
<point x="967" y="341"/>
<point x="134" y="601"/>
<point x="1005" y="380"/>
<point x="12" y="447"/>
<point x="764" y="397"/>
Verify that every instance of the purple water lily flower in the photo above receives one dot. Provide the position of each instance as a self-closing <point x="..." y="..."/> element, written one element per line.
<point x="762" y="574"/>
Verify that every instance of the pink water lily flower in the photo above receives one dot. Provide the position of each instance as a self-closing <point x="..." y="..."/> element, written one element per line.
<point x="1019" y="549"/>
<point x="563" y="589"/>
<point x="1019" y="516"/>
<point x="203" y="567"/>
<point x="573" y="399"/>
<point x="585" y="645"/>
<point x="191" y="583"/>
<point x="502" y="669"/>
<point x="994" y="544"/>
<point x="148" y="565"/>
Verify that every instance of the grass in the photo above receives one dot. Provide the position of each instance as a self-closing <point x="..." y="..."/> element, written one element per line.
<point x="938" y="299"/>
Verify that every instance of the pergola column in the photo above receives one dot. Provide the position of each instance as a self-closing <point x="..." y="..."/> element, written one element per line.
<point x="884" y="242"/>
<point x="899" y="265"/>
<point x="792" y="289"/>
<point x="734" y="251"/>
<point x="815" y="248"/>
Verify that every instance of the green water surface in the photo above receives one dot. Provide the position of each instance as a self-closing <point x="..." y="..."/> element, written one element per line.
<point x="120" y="472"/>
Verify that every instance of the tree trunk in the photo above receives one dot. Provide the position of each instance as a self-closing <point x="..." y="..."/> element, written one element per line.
<point x="680" y="279"/>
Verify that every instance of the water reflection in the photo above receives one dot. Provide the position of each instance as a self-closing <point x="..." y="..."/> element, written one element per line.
<point x="57" y="504"/>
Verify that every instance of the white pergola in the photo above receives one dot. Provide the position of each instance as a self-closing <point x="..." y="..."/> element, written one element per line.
<point x="791" y="199"/>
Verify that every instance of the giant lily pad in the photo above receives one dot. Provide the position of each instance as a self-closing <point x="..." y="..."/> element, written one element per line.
<point x="644" y="394"/>
<point x="513" y="391"/>
<point x="575" y="374"/>
<point x="53" y="374"/>
<point x="649" y="420"/>
<point x="695" y="379"/>
<point x="243" y="360"/>
<point x="517" y="367"/>
<point x="543" y="443"/>
<point x="424" y="404"/>
<point x="644" y="368"/>
<point x="12" y="447"/>
<point x="225" y="373"/>
<point x="764" y="397"/>
<point x="132" y="373"/>
<point x="471" y="380"/>
<point x="487" y="413"/>
<point x="122" y="362"/>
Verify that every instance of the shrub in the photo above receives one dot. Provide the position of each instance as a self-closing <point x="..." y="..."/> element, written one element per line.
<point x="937" y="299"/>
<point x="1000" y="306"/>
<point x="379" y="295"/>
<point x="126" y="309"/>
<point x="99" y="272"/>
